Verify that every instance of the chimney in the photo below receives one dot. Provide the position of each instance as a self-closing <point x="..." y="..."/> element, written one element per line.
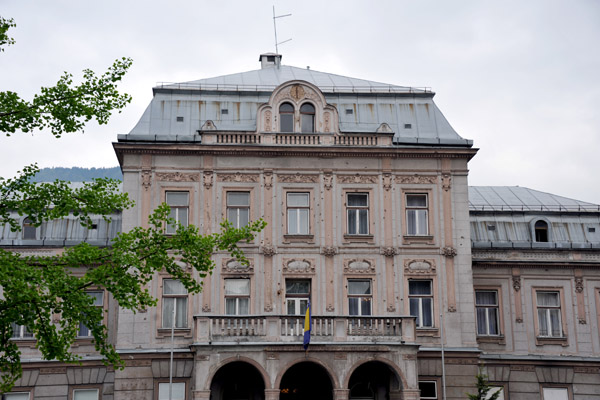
<point x="270" y="60"/>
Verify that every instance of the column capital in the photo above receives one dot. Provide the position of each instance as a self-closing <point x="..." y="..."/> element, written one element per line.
<point x="341" y="394"/>
<point x="272" y="394"/>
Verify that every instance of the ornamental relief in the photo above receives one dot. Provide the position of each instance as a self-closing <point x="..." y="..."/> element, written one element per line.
<point x="208" y="179"/>
<point x="360" y="266"/>
<point x="268" y="179"/>
<point x="146" y="179"/>
<point x="297" y="178"/>
<point x="419" y="267"/>
<point x="297" y="266"/>
<point x="268" y="119"/>
<point x="233" y="266"/>
<point x="416" y="179"/>
<point x="238" y="177"/>
<point x="357" y="178"/>
<point x="177" y="177"/>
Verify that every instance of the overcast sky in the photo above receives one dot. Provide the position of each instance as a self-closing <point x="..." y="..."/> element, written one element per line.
<point x="519" y="78"/>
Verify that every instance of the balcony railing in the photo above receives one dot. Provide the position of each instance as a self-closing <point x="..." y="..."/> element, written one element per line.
<point x="297" y="139"/>
<point x="290" y="328"/>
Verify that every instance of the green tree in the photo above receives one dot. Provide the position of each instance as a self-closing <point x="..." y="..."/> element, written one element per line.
<point x="37" y="289"/>
<point x="483" y="388"/>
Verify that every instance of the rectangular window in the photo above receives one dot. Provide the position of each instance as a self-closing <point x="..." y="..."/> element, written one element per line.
<point x="298" y="211"/>
<point x="421" y="302"/>
<point x="177" y="391"/>
<point x="548" y="310"/>
<point x="237" y="296"/>
<point x="175" y="301"/>
<point x="179" y="203"/>
<point x="16" y="396"/>
<point x="486" y="305"/>
<point x="238" y="208"/>
<point x="297" y="294"/>
<point x="359" y="297"/>
<point x="20" y="332"/>
<point x="358" y="213"/>
<point x="428" y="390"/>
<point x="555" y="393"/>
<point x="416" y="215"/>
<point x="493" y="390"/>
<point x="98" y="297"/>
<point x="85" y="394"/>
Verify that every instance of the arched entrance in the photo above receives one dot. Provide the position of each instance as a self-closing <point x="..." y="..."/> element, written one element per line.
<point x="237" y="381"/>
<point x="306" y="381"/>
<point x="373" y="380"/>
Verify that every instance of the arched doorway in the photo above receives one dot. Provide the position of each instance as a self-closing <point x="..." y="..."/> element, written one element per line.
<point x="306" y="381"/>
<point x="373" y="380"/>
<point x="237" y="381"/>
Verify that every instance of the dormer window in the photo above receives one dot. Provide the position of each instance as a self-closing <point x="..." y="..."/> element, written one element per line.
<point x="307" y="118"/>
<point x="286" y="117"/>
<point x="541" y="231"/>
<point x="29" y="229"/>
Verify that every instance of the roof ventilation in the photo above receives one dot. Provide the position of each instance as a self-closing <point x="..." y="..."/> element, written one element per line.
<point x="269" y="60"/>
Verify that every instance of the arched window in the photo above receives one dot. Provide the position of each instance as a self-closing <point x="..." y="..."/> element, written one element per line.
<point x="541" y="231"/>
<point x="29" y="229"/>
<point x="307" y="117"/>
<point x="286" y="117"/>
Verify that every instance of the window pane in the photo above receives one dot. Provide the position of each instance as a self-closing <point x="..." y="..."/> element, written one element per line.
<point x="297" y="199"/>
<point x="85" y="394"/>
<point x="173" y="286"/>
<point x="177" y="198"/>
<point x="427" y="312"/>
<point x="543" y="322"/>
<point x="182" y="216"/>
<point x="237" y="287"/>
<point x="353" y="306"/>
<point x="548" y="299"/>
<point x="365" y="306"/>
<point x="416" y="200"/>
<point x="414" y="310"/>
<point x="286" y="108"/>
<point x="421" y="222"/>
<point x="244" y="306"/>
<point x="303" y="306"/>
<point x="287" y="122"/>
<point x="230" y="306"/>
<point x="556" y="394"/>
<point x="363" y="222"/>
<point x="177" y="391"/>
<point x="293" y="221"/>
<point x="428" y="389"/>
<point x="303" y="221"/>
<point x="98" y="297"/>
<point x="358" y="199"/>
<point x="308" y="123"/>
<point x="167" y="312"/>
<point x="419" y="287"/>
<point x="359" y="287"/>
<point x="411" y="222"/>
<point x="181" y="312"/>
<point x="238" y="198"/>
<point x="307" y="108"/>
<point x="481" y="321"/>
<point x="555" y="322"/>
<point x="232" y="216"/>
<point x="16" y="396"/>
<point x="297" y="287"/>
<point x="352" y="215"/>
<point x="485" y="298"/>
<point x="291" y="306"/>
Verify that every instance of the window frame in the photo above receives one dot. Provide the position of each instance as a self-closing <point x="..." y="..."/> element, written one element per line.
<point x="287" y="113"/>
<point x="361" y="297"/>
<point x="420" y="297"/>
<point x="297" y="297"/>
<point x="304" y="113"/>
<point x="171" y="229"/>
<point x="357" y="210"/>
<point x="22" y="333"/>
<point x="409" y="209"/>
<point x="487" y="307"/>
<point x="237" y="297"/>
<point x="435" y="382"/>
<point x="236" y="224"/>
<point x="27" y="228"/>
<point x="568" y="387"/>
<point x="158" y="382"/>
<point x="77" y="388"/>
<point x="104" y="311"/>
<point x="175" y="296"/>
<point x="290" y="208"/>
<point x="548" y="309"/>
<point x="19" y="390"/>
<point x="549" y="340"/>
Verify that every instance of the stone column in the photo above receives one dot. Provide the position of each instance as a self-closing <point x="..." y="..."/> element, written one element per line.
<point x="201" y="394"/>
<point x="341" y="394"/>
<point x="271" y="394"/>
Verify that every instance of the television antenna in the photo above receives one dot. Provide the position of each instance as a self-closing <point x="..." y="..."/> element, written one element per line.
<point x="275" y="29"/>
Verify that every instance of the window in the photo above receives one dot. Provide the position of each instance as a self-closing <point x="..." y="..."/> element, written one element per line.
<point x="307" y="118"/>
<point x="16" y="396"/>
<point x="298" y="211"/>
<point x="548" y="310"/>
<point x="175" y="300"/>
<point x="179" y="203"/>
<point x="29" y="229"/>
<point x="421" y="302"/>
<point x="555" y="393"/>
<point x="297" y="294"/>
<point x="286" y="117"/>
<point x="541" y="231"/>
<point x="85" y="394"/>
<point x="177" y="391"/>
<point x="98" y="298"/>
<point x="428" y="389"/>
<point x="238" y="208"/>
<point x="359" y="297"/>
<point x="237" y="296"/>
<point x="486" y="305"/>
<point x="493" y="390"/>
<point x="358" y="213"/>
<point x="20" y="332"/>
<point x="416" y="215"/>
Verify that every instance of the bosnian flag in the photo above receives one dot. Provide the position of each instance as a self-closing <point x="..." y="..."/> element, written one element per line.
<point x="307" y="324"/>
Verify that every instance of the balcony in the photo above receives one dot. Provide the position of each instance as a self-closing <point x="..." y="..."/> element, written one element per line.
<point x="290" y="329"/>
<point x="297" y="139"/>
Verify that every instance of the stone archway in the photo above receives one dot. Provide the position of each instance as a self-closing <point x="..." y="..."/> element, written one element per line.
<point x="373" y="380"/>
<point x="306" y="381"/>
<point x="237" y="380"/>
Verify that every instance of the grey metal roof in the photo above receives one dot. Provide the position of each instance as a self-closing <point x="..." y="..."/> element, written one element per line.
<point x="517" y="198"/>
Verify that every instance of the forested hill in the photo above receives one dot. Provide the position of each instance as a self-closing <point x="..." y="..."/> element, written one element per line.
<point x="76" y="174"/>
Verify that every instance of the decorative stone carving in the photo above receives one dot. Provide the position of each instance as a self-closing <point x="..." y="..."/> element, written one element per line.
<point x="330" y="308"/>
<point x="388" y="251"/>
<point x="329" y="251"/>
<point x="387" y="181"/>
<point x="358" y="178"/>
<point x="234" y="266"/>
<point x="328" y="180"/>
<point x="208" y="126"/>
<point x="582" y="321"/>
<point x="391" y="308"/>
<point x="297" y="92"/>
<point x="451" y="308"/>
<point x="519" y="320"/>
<point x="360" y="266"/>
<point x="268" y="250"/>
<point x="146" y="179"/>
<point x="206" y="308"/>
<point x="238" y="177"/>
<point x="208" y="179"/>
<point x="268" y="119"/>
<point x="177" y="177"/>
<point x="416" y="179"/>
<point x="579" y="285"/>
<point x="327" y="122"/>
<point x="449" y="251"/>
<point x="296" y="266"/>
<point x="268" y="308"/>
<point x="419" y="267"/>
<point x="384" y="128"/>
<point x="268" y="179"/>
<point x="297" y="178"/>
<point x="516" y="283"/>
<point x="446" y="182"/>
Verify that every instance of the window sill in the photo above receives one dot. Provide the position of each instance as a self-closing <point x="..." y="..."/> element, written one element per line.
<point x="430" y="332"/>
<point x="178" y="332"/>
<point x="498" y="339"/>
<point x="409" y="239"/>
<point x="298" y="238"/>
<point x="25" y="342"/>
<point x="358" y="238"/>
<point x="543" y="340"/>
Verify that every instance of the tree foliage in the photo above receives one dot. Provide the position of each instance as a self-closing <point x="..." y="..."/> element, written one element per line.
<point x="483" y="388"/>
<point x="47" y="294"/>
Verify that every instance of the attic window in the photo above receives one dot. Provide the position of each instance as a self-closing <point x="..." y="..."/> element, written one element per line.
<point x="541" y="231"/>
<point x="224" y="111"/>
<point x="491" y="227"/>
<point x="179" y="119"/>
<point x="271" y="58"/>
<point x="591" y="230"/>
<point x="29" y="229"/>
<point x="349" y="111"/>
<point x="407" y="126"/>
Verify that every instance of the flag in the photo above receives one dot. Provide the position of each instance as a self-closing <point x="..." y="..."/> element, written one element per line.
<point x="307" y="324"/>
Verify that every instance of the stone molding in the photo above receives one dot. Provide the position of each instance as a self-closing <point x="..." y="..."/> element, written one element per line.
<point x="416" y="179"/>
<point x="297" y="178"/>
<point x="419" y="267"/>
<point x="357" y="179"/>
<point x="238" y="177"/>
<point x="298" y="266"/>
<point x="177" y="176"/>
<point x="233" y="266"/>
<point x="359" y="266"/>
